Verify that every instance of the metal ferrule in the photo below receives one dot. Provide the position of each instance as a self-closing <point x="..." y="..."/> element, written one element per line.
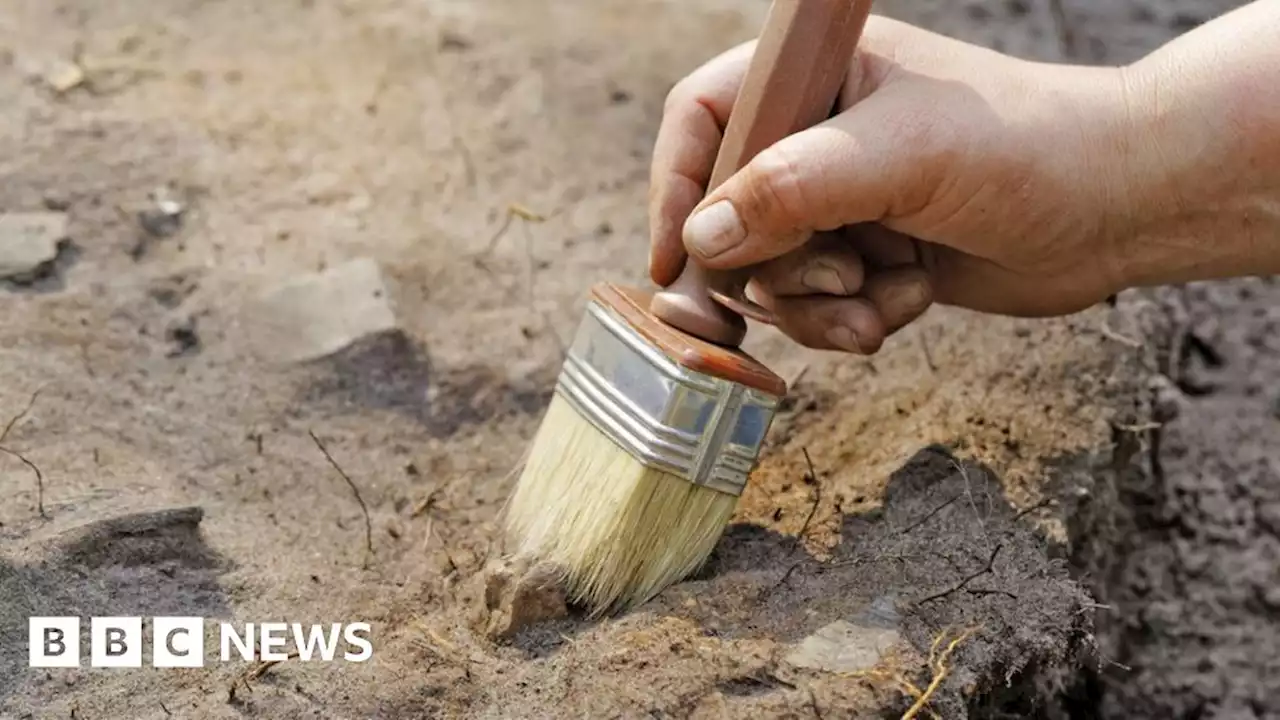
<point x="704" y="429"/>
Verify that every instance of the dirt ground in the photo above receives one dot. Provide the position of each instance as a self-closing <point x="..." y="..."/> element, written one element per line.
<point x="994" y="483"/>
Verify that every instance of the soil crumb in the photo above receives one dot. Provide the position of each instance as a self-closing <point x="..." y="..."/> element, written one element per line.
<point x="517" y="596"/>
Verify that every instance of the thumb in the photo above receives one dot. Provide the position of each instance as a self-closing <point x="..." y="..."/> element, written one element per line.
<point x="856" y="167"/>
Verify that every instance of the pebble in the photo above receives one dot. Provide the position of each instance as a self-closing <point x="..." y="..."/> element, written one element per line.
<point x="164" y="217"/>
<point x="28" y="240"/>
<point x="65" y="76"/>
<point x="315" y="315"/>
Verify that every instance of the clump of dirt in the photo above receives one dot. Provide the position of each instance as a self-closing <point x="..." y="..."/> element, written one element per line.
<point x="515" y="596"/>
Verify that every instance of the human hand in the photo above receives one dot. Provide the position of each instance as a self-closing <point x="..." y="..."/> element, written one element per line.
<point x="951" y="174"/>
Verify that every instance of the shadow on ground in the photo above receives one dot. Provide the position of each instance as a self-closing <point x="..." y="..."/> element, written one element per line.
<point x="391" y="372"/>
<point x="143" y="564"/>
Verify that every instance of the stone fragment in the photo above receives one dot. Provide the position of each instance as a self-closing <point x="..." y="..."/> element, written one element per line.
<point x="843" y="646"/>
<point x="163" y="217"/>
<point x="65" y="76"/>
<point x="28" y="240"/>
<point x="318" y="314"/>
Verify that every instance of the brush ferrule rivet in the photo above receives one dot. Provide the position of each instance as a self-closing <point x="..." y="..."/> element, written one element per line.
<point x="704" y="429"/>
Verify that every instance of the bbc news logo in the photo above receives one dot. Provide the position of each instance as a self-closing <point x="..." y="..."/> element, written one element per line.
<point x="179" y="642"/>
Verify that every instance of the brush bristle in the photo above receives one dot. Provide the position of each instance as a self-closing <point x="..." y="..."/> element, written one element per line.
<point x="621" y="531"/>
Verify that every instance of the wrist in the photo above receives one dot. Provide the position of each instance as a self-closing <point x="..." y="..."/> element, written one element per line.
<point x="1091" y="159"/>
<point x="1196" y="154"/>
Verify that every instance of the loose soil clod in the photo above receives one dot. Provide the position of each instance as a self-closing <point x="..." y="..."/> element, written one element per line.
<point x="515" y="596"/>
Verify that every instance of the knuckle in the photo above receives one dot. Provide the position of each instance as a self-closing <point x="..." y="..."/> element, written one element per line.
<point x="777" y="189"/>
<point x="679" y="94"/>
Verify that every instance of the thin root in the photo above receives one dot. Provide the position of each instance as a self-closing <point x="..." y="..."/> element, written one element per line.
<point x="39" y="478"/>
<point x="939" y="669"/>
<point x="514" y="210"/>
<point x="1110" y="334"/>
<point x="364" y="509"/>
<point x="938" y="665"/>
<point x="31" y="402"/>
<point x="903" y="685"/>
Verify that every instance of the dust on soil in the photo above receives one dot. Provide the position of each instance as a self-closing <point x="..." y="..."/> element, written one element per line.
<point x="180" y="477"/>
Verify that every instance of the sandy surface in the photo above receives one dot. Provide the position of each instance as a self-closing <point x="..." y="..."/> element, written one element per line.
<point x="979" y="474"/>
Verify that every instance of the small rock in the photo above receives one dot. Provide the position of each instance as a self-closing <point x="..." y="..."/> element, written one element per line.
<point x="64" y="76"/>
<point x="516" y="596"/>
<point x="164" y="217"/>
<point x="323" y="188"/>
<point x="844" y="646"/>
<point x="29" y="240"/>
<point x="321" y="313"/>
<point x="57" y="201"/>
<point x="184" y="338"/>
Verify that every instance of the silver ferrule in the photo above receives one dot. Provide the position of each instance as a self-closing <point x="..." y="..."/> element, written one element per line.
<point x="704" y="429"/>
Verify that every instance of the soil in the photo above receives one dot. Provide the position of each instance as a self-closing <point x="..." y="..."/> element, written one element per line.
<point x="988" y="485"/>
<point x="1183" y="544"/>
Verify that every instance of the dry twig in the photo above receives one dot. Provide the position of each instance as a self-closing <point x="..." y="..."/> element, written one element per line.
<point x="39" y="478"/>
<point x="253" y="673"/>
<point x="991" y="561"/>
<point x="928" y="353"/>
<point x="1046" y="502"/>
<point x="16" y="418"/>
<point x="13" y="422"/>
<point x="817" y="500"/>
<point x="264" y="665"/>
<point x="804" y="527"/>
<point x="930" y="514"/>
<point x="364" y="509"/>
<point x="1110" y="334"/>
<point x="514" y="211"/>
<point x="424" y="504"/>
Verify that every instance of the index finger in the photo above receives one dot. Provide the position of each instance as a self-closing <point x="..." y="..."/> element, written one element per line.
<point x="684" y="153"/>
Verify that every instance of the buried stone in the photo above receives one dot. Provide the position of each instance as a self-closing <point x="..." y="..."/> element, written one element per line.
<point x="315" y="315"/>
<point x="29" y="242"/>
<point x="844" y="646"/>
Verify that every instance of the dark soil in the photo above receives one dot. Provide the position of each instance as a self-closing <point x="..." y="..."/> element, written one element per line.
<point x="945" y="553"/>
<point x="1187" y="555"/>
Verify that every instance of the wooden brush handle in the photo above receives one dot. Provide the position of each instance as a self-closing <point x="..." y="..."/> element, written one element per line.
<point x="794" y="79"/>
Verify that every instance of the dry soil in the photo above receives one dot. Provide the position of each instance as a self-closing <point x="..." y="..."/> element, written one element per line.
<point x="992" y="482"/>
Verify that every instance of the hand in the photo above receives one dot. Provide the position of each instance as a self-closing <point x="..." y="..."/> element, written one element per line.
<point x="951" y="174"/>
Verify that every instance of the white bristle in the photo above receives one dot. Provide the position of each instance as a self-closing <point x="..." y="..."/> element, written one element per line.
<point x="621" y="531"/>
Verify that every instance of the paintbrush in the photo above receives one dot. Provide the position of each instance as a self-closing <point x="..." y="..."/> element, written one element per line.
<point x="658" y="417"/>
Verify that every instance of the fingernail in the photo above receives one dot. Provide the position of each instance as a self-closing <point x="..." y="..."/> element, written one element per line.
<point x="714" y="229"/>
<point x="913" y="296"/>
<point x="843" y="338"/>
<point x="823" y="279"/>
